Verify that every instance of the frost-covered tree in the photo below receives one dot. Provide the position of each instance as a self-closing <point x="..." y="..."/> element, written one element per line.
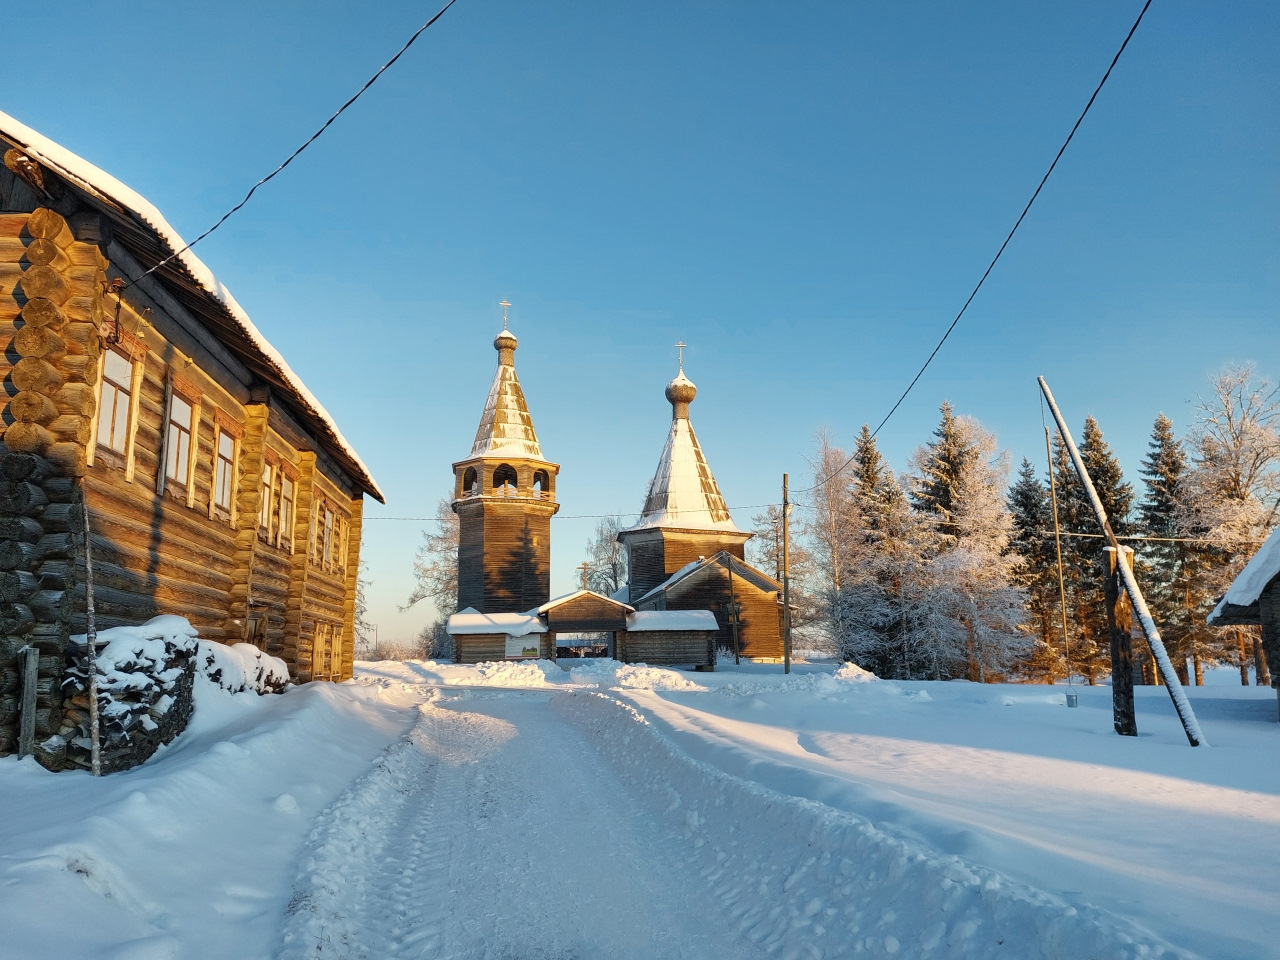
<point x="958" y="484"/>
<point x="1172" y="565"/>
<point x="607" y="570"/>
<point x="1232" y="490"/>
<point x="435" y="566"/>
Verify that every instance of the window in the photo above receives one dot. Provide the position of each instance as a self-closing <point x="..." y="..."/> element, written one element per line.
<point x="264" y="510"/>
<point x="223" y="471"/>
<point x="178" y="444"/>
<point x="113" y="408"/>
<point x="326" y="559"/>
<point x="286" y="514"/>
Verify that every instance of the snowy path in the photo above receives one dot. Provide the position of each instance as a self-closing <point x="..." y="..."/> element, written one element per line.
<point x="527" y="824"/>
<point x="495" y="831"/>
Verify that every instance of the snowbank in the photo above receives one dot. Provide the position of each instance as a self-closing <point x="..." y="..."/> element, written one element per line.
<point x="635" y="676"/>
<point x="508" y="673"/>
<point x="191" y="854"/>
<point x="242" y="667"/>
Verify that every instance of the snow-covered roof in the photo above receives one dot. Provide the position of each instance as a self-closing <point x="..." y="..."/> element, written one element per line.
<point x="470" y="621"/>
<point x="568" y="597"/>
<point x="119" y="199"/>
<point x="683" y="493"/>
<point x="506" y="429"/>
<point x="672" y="620"/>
<point x="1261" y="569"/>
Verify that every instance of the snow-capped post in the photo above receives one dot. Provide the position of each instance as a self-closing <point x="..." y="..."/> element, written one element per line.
<point x="1118" y="623"/>
<point x="786" y="578"/>
<point x="1190" y="725"/>
<point x="91" y="646"/>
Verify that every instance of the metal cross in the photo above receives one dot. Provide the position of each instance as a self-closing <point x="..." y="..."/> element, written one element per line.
<point x="680" y="345"/>
<point x="504" y="304"/>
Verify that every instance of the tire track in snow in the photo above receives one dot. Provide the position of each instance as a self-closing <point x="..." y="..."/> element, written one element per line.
<point x="494" y="830"/>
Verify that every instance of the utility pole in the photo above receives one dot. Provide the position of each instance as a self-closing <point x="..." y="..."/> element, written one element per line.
<point x="583" y="568"/>
<point x="1118" y="622"/>
<point x="786" y="577"/>
<point x="733" y="615"/>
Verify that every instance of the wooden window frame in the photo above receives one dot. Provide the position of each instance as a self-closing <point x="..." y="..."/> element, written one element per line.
<point x="288" y="518"/>
<point x="175" y="385"/>
<point x="224" y="425"/>
<point x="130" y="392"/>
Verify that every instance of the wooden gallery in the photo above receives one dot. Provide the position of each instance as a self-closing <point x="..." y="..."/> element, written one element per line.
<point x="218" y="488"/>
<point x="691" y="589"/>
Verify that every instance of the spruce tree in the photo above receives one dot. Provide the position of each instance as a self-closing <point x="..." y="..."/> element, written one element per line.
<point x="940" y="464"/>
<point x="1028" y="503"/>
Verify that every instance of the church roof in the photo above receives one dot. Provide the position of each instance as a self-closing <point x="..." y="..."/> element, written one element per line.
<point x="683" y="493"/>
<point x="506" y="429"/>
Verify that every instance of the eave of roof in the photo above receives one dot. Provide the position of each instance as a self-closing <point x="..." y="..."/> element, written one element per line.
<point x="148" y="236"/>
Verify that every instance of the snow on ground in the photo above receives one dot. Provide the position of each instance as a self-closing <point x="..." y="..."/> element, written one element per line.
<point x="191" y="854"/>
<point x="592" y="809"/>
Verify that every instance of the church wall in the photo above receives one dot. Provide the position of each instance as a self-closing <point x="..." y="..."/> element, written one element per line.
<point x="503" y="554"/>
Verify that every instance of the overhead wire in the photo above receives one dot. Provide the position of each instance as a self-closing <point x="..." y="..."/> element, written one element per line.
<point x="986" y="273"/>
<point x="293" y="156"/>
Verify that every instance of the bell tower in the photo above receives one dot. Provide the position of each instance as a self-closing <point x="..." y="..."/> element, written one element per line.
<point x="504" y="496"/>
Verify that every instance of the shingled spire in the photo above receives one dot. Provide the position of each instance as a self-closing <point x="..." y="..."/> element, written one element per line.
<point x="505" y="426"/>
<point x="683" y="493"/>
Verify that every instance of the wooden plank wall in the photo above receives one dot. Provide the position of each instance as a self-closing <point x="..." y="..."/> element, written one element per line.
<point x="667" y="647"/>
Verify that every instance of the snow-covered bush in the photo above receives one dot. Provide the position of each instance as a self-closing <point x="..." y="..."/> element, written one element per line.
<point x="145" y="676"/>
<point x="242" y="668"/>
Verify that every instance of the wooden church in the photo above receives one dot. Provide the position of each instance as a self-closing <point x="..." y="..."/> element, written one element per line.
<point x="691" y="589"/>
<point x="685" y="551"/>
<point x="504" y="497"/>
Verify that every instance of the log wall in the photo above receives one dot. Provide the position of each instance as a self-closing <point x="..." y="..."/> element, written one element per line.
<point x="667" y="647"/>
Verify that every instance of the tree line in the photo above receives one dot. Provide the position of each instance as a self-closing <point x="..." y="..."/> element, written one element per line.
<point x="947" y="570"/>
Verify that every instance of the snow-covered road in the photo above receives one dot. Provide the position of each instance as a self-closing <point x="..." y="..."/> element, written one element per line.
<point x="531" y="824"/>
<point x="495" y="831"/>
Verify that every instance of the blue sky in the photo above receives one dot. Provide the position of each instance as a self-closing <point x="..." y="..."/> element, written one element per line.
<point x="803" y="193"/>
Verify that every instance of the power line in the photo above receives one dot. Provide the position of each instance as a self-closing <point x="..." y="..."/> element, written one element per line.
<point x="1140" y="537"/>
<point x="1000" y="252"/>
<point x="310" y="140"/>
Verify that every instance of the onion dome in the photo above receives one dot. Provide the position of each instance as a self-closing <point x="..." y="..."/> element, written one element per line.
<point x="680" y="393"/>
<point x="505" y="343"/>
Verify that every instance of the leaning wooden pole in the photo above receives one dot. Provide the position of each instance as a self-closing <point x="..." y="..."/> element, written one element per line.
<point x="91" y="646"/>
<point x="1179" y="697"/>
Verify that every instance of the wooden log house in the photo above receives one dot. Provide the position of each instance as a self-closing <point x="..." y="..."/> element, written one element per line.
<point x="685" y="551"/>
<point x="1254" y="599"/>
<point x="219" y="488"/>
